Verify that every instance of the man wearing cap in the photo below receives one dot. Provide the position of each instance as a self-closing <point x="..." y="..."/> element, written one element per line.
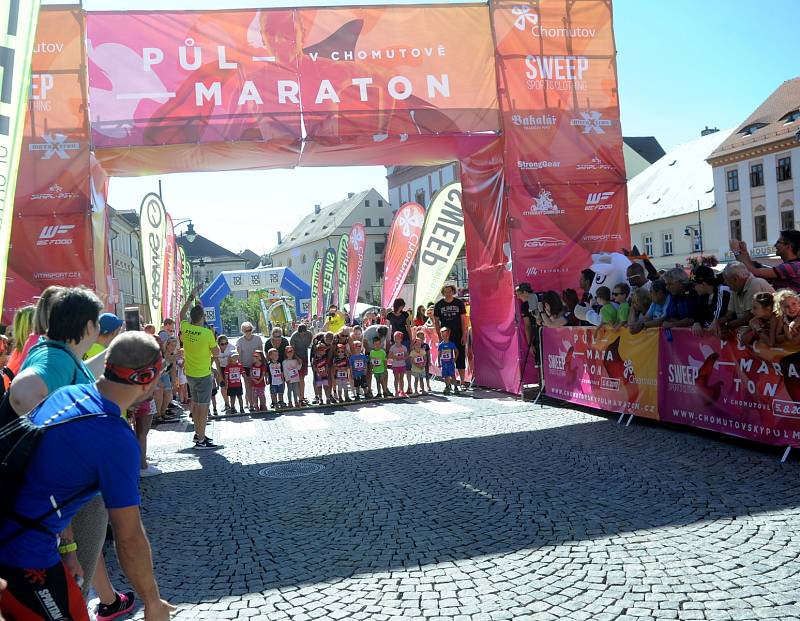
<point x="451" y="312"/>
<point x="57" y="485"/>
<point x="110" y="327"/>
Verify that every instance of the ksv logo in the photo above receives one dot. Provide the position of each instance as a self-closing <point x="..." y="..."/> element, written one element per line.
<point x="49" y="234"/>
<point x="524" y="17"/>
<point x="543" y="242"/>
<point x="54" y="144"/>
<point x="543" y="205"/>
<point x="591" y="122"/>
<point x="598" y="201"/>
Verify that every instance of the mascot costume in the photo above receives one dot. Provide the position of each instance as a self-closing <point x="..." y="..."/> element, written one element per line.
<point x="610" y="269"/>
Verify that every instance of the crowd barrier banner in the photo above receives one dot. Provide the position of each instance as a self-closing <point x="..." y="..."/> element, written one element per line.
<point x="750" y="392"/>
<point x="603" y="368"/>
<point x="401" y="249"/>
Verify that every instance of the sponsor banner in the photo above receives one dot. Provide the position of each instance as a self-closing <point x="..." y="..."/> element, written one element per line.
<point x="186" y="277"/>
<point x="179" y="257"/>
<point x="342" y="276"/>
<point x="269" y="278"/>
<point x="392" y="71"/>
<point x="192" y="77"/>
<point x="442" y="241"/>
<point x="153" y="226"/>
<point x="401" y="249"/>
<point x="603" y="368"/>
<point x="328" y="275"/>
<point x="17" y="37"/>
<point x="168" y="286"/>
<point x="748" y="392"/>
<point x="316" y="293"/>
<point x="355" y="264"/>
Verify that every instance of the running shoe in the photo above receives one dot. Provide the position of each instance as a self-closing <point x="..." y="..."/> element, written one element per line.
<point x="123" y="605"/>
<point x="195" y="438"/>
<point x="150" y="471"/>
<point x="206" y="444"/>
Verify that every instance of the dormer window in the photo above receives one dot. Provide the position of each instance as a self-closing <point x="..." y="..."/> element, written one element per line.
<point x="752" y="128"/>
<point x="793" y="116"/>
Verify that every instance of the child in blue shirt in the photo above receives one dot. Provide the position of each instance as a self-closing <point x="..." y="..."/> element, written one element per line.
<point x="658" y="309"/>
<point x="447" y="360"/>
<point x="358" y="367"/>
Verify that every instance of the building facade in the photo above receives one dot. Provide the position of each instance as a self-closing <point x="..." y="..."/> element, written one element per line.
<point x="323" y="228"/>
<point x="126" y="267"/>
<point x="671" y="205"/>
<point x="754" y="184"/>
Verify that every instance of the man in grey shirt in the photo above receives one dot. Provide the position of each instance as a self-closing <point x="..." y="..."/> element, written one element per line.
<point x="246" y="346"/>
<point x="301" y="341"/>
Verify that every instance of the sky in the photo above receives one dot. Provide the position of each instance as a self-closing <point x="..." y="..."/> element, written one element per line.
<point x="683" y="64"/>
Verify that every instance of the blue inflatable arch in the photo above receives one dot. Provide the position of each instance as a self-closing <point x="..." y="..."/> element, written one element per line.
<point x="250" y="280"/>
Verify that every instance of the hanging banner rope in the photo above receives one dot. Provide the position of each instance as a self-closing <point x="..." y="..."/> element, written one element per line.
<point x="401" y="249"/>
<point x="442" y="241"/>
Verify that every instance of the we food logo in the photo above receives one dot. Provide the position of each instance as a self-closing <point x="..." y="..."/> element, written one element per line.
<point x="52" y="235"/>
<point x="599" y="201"/>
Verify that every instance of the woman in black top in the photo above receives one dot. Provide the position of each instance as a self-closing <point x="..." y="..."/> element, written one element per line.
<point x="400" y="320"/>
<point x="714" y="298"/>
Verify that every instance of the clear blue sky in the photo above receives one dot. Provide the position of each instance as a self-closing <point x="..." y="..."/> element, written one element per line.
<point x="683" y="64"/>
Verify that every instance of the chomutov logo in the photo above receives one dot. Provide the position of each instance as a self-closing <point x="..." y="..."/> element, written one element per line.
<point x="592" y="122"/>
<point x="534" y="121"/>
<point x="786" y="409"/>
<point x="528" y="165"/>
<point x="543" y="205"/>
<point x="543" y="242"/>
<point x="599" y="201"/>
<point x="50" y="235"/>
<point x="603" y="237"/>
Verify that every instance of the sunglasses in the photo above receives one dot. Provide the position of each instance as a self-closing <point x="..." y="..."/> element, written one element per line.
<point x="140" y="377"/>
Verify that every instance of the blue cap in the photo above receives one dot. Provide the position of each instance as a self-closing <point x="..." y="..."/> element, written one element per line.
<point x="109" y="322"/>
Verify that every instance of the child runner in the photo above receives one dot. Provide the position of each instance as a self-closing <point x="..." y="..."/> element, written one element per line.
<point x="233" y="382"/>
<point x="321" y="369"/>
<point x="447" y="361"/>
<point x="291" y="371"/>
<point x="258" y="381"/>
<point x="276" y="386"/>
<point x="358" y="369"/>
<point x="417" y="356"/>
<point x="341" y="367"/>
<point x="377" y="362"/>
<point x="427" y="349"/>
<point x="398" y="354"/>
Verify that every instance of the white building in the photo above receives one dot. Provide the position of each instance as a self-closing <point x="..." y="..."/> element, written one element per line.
<point x="671" y="206"/>
<point x="753" y="181"/>
<point x="126" y="267"/>
<point x="323" y="228"/>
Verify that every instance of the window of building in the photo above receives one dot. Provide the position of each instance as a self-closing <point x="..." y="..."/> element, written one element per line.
<point x="733" y="180"/>
<point x="379" y="247"/>
<point x="736" y="228"/>
<point x="303" y="259"/>
<point x="289" y="262"/>
<point x="316" y="255"/>
<point x="666" y="243"/>
<point x="647" y="242"/>
<point x="752" y="128"/>
<point x="380" y="202"/>
<point x="793" y="116"/>
<point x="366" y="203"/>
<point x="378" y="270"/>
<point x="368" y="222"/>
<point x="419" y="197"/>
<point x="784" y="169"/>
<point x="787" y="220"/>
<point x="380" y="222"/>
<point x="756" y="175"/>
<point x="697" y="240"/>
<point x="760" y="228"/>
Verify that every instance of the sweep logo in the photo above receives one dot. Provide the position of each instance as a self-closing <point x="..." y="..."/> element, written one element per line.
<point x="599" y="201"/>
<point x="591" y="122"/>
<point x="51" y="235"/>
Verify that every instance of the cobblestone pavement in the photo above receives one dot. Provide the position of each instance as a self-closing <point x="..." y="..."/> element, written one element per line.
<point x="475" y="508"/>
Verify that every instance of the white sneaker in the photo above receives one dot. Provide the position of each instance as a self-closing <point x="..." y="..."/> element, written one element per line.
<point x="150" y="471"/>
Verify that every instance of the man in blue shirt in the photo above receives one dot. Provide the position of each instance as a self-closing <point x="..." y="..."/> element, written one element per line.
<point x="96" y="452"/>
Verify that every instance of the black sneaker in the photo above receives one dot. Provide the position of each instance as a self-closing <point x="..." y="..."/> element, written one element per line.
<point x="206" y="444"/>
<point x="123" y="605"/>
<point x="195" y="439"/>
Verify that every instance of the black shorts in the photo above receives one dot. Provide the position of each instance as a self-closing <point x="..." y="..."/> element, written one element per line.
<point x="461" y="357"/>
<point x="236" y="391"/>
<point x="360" y="382"/>
<point x="41" y="595"/>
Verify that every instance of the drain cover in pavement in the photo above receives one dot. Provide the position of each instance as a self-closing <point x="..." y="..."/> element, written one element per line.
<point x="290" y="471"/>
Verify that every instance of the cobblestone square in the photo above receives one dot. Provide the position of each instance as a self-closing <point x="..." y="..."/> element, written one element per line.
<point x="476" y="508"/>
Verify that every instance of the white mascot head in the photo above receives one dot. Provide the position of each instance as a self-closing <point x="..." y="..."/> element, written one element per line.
<point x="610" y="269"/>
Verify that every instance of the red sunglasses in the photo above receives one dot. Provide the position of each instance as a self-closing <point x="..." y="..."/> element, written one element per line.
<point x="140" y="377"/>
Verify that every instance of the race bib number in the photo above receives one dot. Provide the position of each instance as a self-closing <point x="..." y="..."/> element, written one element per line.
<point x="255" y="372"/>
<point x="376" y="362"/>
<point x="293" y="375"/>
<point x="341" y="374"/>
<point x="277" y="374"/>
<point x="419" y="360"/>
<point x="446" y="355"/>
<point x="358" y="365"/>
<point x="234" y="375"/>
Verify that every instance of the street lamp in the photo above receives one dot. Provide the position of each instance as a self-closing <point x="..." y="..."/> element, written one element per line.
<point x="190" y="235"/>
<point x="691" y="230"/>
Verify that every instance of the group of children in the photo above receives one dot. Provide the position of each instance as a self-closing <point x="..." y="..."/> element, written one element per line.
<point x="776" y="319"/>
<point x="283" y="378"/>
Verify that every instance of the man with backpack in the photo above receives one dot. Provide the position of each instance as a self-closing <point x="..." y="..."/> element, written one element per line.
<point x="77" y="445"/>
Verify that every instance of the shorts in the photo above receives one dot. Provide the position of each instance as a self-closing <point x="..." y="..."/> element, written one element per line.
<point x="448" y="369"/>
<point x="259" y="391"/>
<point x="343" y="383"/>
<point x="145" y="408"/>
<point x="304" y="366"/>
<point x="165" y="382"/>
<point x="276" y="389"/>
<point x="201" y="389"/>
<point x="360" y="381"/>
<point x="235" y="391"/>
<point x="321" y="382"/>
<point x="29" y="589"/>
<point x="418" y="373"/>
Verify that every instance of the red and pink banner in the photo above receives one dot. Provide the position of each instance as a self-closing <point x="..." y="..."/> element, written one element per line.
<point x="750" y="392"/>
<point x="355" y="264"/>
<point x="401" y="249"/>
<point x="169" y="285"/>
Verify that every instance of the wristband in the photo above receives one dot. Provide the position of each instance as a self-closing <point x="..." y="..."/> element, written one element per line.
<point x="67" y="548"/>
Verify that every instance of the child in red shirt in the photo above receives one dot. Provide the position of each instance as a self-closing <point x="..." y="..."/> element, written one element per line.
<point x="258" y="380"/>
<point x="233" y="380"/>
